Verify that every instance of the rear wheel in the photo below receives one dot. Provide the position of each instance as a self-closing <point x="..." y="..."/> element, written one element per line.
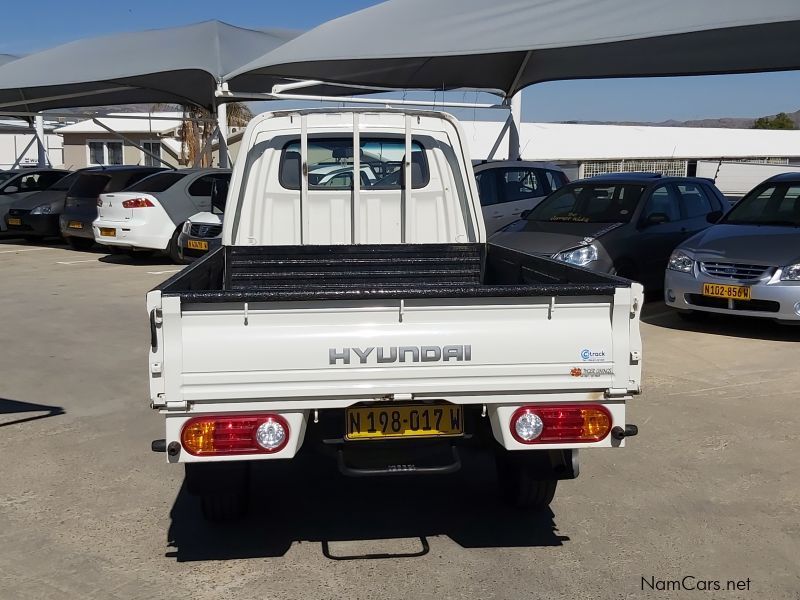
<point x="521" y="484"/>
<point x="79" y="243"/>
<point x="173" y="251"/>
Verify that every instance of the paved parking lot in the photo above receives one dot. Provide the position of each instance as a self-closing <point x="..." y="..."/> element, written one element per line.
<point x="710" y="489"/>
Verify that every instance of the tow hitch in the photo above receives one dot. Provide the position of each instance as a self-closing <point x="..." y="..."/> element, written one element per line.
<point x="618" y="433"/>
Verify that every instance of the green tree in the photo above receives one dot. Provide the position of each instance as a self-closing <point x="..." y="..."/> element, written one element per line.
<point x="779" y="121"/>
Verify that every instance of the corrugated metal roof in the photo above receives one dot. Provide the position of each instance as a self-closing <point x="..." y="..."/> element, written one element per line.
<point x="574" y="142"/>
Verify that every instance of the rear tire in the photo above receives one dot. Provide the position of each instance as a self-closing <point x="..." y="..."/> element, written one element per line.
<point x="79" y="243"/>
<point x="521" y="484"/>
<point x="172" y="249"/>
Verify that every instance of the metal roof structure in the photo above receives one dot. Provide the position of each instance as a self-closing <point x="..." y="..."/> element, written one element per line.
<point x="507" y="45"/>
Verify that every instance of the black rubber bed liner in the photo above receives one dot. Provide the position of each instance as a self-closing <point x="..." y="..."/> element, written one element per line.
<point x="407" y="271"/>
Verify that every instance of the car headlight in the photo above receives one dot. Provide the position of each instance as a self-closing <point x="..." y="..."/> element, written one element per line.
<point x="187" y="227"/>
<point x="44" y="209"/>
<point x="791" y="273"/>
<point x="578" y="256"/>
<point x="680" y="261"/>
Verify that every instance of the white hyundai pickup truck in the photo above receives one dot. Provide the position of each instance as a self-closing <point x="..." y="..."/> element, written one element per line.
<point x="368" y="317"/>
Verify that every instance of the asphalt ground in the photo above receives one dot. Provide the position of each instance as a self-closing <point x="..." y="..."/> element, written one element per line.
<point x="709" y="490"/>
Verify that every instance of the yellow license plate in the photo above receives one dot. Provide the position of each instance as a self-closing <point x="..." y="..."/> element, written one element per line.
<point x="406" y="421"/>
<point x="75" y="225"/>
<point x="731" y="292"/>
<point x="13" y="221"/>
<point x="108" y="232"/>
<point x="197" y="244"/>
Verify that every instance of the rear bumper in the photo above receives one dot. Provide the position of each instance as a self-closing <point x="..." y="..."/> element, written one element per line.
<point x="84" y="231"/>
<point x="684" y="291"/>
<point x="41" y="225"/>
<point x="491" y="431"/>
<point x="128" y="235"/>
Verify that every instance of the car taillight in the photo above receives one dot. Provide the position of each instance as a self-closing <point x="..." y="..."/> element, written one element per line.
<point x="562" y="423"/>
<point x="137" y="203"/>
<point x="243" y="434"/>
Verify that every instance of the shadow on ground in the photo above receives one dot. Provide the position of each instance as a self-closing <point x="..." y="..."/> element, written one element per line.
<point x="14" y="407"/>
<point x="308" y="500"/>
<point x="658" y="314"/>
<point x="137" y="258"/>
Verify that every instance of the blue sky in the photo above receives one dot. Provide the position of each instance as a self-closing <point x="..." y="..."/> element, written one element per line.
<point x="58" y="21"/>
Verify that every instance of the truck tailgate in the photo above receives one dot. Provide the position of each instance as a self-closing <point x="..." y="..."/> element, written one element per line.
<point x="369" y="349"/>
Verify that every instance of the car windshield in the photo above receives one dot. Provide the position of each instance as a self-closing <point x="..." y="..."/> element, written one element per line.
<point x="589" y="203"/>
<point x="158" y="182"/>
<point x="772" y="204"/>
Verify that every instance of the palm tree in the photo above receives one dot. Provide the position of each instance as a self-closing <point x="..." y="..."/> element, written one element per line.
<point x="198" y="126"/>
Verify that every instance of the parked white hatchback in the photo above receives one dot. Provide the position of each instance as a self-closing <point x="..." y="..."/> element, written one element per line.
<point x="150" y="214"/>
<point x="508" y="188"/>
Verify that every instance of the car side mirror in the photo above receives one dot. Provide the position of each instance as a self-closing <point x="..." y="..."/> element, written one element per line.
<point x="656" y="219"/>
<point x="525" y="213"/>
<point x="12" y="189"/>
<point x="714" y="216"/>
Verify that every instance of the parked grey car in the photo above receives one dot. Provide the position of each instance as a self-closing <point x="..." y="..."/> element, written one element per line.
<point x="80" y="207"/>
<point x="748" y="263"/>
<point x="624" y="223"/>
<point x="17" y="184"/>
<point x="36" y="215"/>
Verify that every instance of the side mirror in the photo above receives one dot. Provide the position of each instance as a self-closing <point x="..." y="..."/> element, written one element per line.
<point x="714" y="216"/>
<point x="524" y="214"/>
<point x="12" y="189"/>
<point x="656" y="219"/>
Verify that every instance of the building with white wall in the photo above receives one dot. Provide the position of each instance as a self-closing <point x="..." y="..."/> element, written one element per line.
<point x="18" y="145"/>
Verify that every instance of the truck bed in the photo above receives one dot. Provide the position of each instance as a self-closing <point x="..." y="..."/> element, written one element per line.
<point x="402" y="271"/>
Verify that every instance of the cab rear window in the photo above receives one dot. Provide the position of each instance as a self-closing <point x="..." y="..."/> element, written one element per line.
<point x="330" y="164"/>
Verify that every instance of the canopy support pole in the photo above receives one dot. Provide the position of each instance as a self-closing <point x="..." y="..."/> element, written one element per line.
<point x="514" y="124"/>
<point x="42" y="158"/>
<point x="222" y="126"/>
<point x="131" y="142"/>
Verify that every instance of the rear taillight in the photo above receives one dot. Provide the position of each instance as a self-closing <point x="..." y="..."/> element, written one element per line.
<point x="137" y="203"/>
<point x="244" y="434"/>
<point x="562" y="423"/>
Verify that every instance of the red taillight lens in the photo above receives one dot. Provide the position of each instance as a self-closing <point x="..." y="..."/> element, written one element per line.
<point x="244" y="434"/>
<point x="137" y="203"/>
<point x="562" y="423"/>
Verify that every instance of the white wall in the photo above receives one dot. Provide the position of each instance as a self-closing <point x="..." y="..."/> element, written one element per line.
<point x="12" y="144"/>
<point x="735" y="179"/>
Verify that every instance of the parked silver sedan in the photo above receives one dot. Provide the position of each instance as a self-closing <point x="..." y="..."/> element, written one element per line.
<point x="748" y="263"/>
